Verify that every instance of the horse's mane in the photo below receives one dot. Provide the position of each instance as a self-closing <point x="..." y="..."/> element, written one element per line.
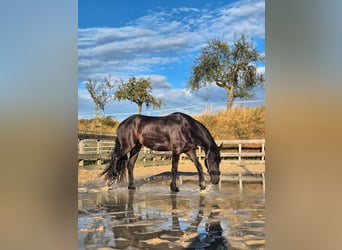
<point x="199" y="131"/>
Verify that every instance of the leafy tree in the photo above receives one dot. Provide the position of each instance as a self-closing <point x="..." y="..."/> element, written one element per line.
<point x="232" y="68"/>
<point x="99" y="92"/>
<point x="139" y="92"/>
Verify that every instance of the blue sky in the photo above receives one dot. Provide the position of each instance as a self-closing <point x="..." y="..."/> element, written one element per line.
<point x="159" y="39"/>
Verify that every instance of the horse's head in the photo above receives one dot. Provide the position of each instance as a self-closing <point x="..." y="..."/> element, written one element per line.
<point x="212" y="162"/>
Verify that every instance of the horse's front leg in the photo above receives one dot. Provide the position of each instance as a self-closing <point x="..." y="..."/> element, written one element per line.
<point x="131" y="185"/>
<point x="193" y="158"/>
<point x="200" y="174"/>
<point x="175" y="160"/>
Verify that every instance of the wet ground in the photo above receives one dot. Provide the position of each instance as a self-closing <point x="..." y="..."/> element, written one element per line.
<point x="153" y="218"/>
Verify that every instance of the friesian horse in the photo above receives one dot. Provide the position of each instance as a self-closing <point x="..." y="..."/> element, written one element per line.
<point x="177" y="132"/>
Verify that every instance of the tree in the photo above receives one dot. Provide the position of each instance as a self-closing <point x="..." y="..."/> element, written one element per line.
<point x="232" y="68"/>
<point x="139" y="92"/>
<point x="99" y="92"/>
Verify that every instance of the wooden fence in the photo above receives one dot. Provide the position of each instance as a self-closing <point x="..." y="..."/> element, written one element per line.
<point x="98" y="147"/>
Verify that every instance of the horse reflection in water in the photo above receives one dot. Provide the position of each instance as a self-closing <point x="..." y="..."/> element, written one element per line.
<point x="177" y="132"/>
<point x="134" y="233"/>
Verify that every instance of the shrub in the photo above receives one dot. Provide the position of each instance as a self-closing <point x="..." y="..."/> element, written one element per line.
<point x="105" y="124"/>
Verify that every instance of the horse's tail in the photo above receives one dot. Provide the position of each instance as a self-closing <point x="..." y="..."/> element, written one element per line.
<point x="116" y="170"/>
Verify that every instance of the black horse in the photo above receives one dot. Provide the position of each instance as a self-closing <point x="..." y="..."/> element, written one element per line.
<point x="177" y="132"/>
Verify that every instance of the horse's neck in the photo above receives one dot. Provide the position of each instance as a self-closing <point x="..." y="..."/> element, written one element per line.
<point x="206" y="142"/>
<point x="201" y="135"/>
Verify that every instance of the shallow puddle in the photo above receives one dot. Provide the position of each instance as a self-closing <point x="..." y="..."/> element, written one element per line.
<point x="153" y="218"/>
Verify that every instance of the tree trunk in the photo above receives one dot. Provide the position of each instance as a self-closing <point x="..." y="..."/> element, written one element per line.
<point x="139" y="109"/>
<point x="102" y="113"/>
<point x="230" y="100"/>
<point x="96" y="109"/>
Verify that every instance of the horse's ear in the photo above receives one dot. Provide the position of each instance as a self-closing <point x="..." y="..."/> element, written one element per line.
<point x="220" y="147"/>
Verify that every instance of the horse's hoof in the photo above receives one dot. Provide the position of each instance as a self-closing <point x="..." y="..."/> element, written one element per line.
<point x="175" y="190"/>
<point x="173" y="187"/>
<point x="109" y="185"/>
<point x="202" y="187"/>
<point x="132" y="187"/>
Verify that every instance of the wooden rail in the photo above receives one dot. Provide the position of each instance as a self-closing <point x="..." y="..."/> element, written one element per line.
<point x="237" y="177"/>
<point x="98" y="147"/>
<point x="240" y="149"/>
<point x="85" y="134"/>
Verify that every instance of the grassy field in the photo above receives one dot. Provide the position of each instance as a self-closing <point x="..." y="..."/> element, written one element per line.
<point x="238" y="123"/>
<point x="104" y="124"/>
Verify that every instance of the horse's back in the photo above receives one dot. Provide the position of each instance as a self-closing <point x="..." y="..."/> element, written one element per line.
<point x="139" y="122"/>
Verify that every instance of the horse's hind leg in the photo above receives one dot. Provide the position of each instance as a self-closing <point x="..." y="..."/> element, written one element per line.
<point x="115" y="171"/>
<point x="132" y="159"/>
<point x="175" y="160"/>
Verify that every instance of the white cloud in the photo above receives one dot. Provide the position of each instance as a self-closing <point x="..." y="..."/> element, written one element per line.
<point x="83" y="95"/>
<point x="185" y="9"/>
<point x="241" y="17"/>
<point x="164" y="35"/>
<point x="261" y="70"/>
<point x="160" y="39"/>
<point x="159" y="82"/>
<point x="245" y="9"/>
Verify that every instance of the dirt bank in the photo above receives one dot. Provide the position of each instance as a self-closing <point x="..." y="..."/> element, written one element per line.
<point x="90" y="174"/>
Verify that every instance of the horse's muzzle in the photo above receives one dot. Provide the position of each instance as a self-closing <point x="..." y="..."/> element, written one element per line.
<point x="214" y="177"/>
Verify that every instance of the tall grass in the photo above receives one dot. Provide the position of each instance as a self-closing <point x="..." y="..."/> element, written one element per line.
<point x="237" y="123"/>
<point x="103" y="124"/>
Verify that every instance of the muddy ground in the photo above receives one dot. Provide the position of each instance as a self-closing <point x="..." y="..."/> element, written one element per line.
<point x="153" y="218"/>
<point x="89" y="174"/>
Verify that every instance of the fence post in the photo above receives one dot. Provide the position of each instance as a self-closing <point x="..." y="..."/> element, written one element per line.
<point x="80" y="151"/>
<point x="240" y="149"/>
<point x="98" y="151"/>
<point x="263" y="151"/>
<point x="80" y="146"/>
